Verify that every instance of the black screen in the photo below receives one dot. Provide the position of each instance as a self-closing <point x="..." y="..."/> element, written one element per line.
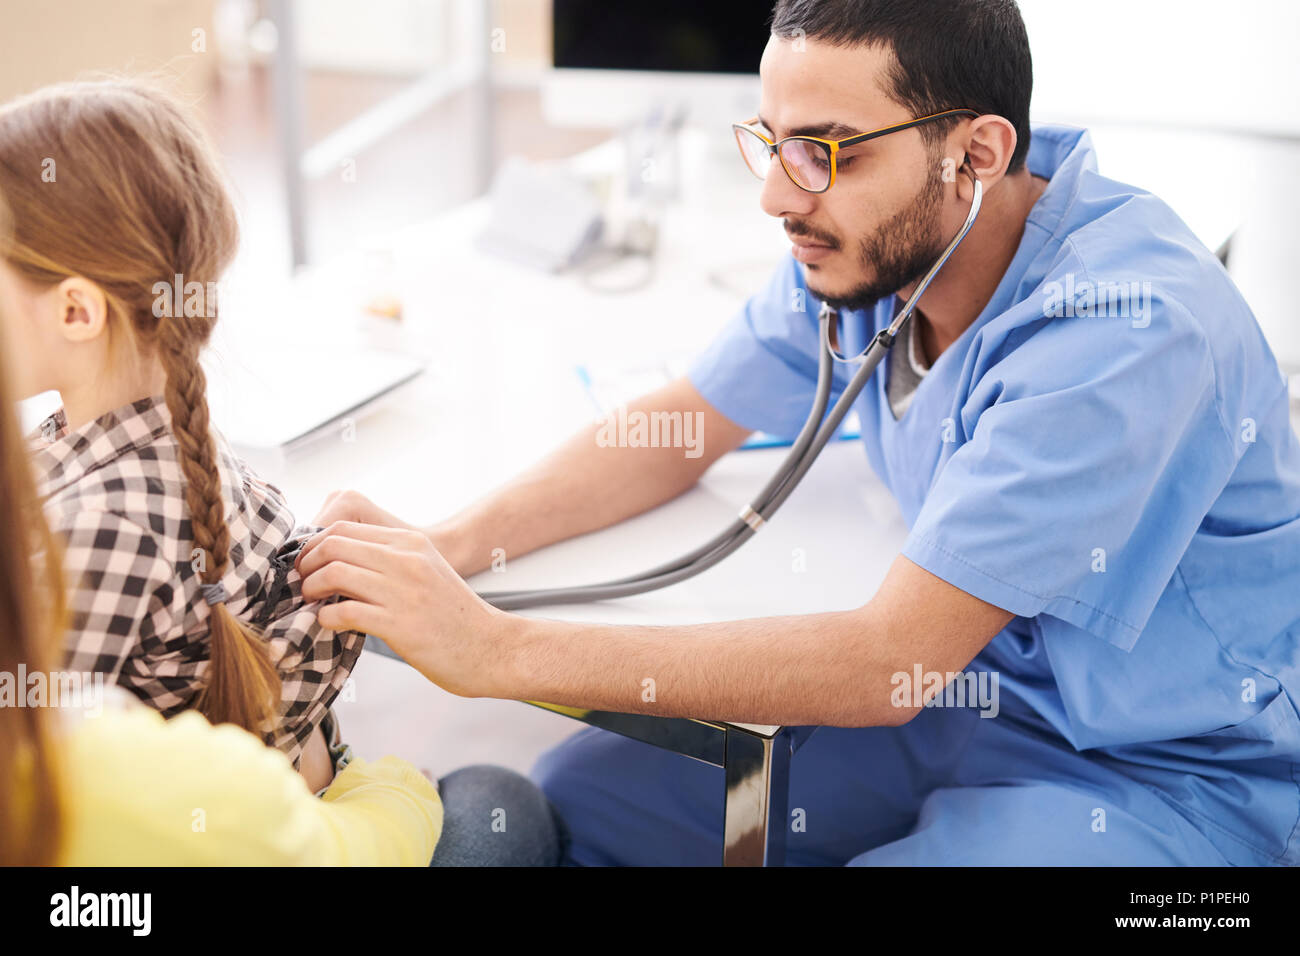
<point x="698" y="36"/>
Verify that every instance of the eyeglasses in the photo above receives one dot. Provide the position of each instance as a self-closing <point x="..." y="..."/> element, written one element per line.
<point x="810" y="161"/>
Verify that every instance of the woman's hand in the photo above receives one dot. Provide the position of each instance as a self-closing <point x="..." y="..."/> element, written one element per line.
<point x="394" y="584"/>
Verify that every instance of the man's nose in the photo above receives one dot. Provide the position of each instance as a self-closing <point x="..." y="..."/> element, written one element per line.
<point x="781" y="198"/>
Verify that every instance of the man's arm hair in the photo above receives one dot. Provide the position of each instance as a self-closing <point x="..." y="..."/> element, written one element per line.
<point x="590" y="483"/>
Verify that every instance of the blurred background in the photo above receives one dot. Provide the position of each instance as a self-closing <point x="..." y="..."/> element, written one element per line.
<point x="447" y="205"/>
<point x="340" y="120"/>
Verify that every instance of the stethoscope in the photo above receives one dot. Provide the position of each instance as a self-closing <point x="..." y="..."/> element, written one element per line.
<point x="812" y="438"/>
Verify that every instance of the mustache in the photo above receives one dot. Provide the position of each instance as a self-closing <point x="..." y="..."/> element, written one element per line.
<point x="796" y="227"/>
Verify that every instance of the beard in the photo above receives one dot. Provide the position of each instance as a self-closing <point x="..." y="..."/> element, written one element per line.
<point x="897" y="254"/>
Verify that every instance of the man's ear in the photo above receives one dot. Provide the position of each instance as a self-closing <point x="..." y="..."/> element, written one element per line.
<point x="82" y="309"/>
<point x="990" y="143"/>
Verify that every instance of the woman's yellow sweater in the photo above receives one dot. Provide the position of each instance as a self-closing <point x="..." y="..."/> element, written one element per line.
<point x="143" y="791"/>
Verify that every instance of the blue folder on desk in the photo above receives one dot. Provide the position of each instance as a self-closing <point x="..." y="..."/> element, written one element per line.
<point x="610" y="387"/>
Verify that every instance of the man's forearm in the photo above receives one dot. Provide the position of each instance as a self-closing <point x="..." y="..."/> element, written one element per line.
<point x="832" y="669"/>
<point x="581" y="487"/>
<point x="838" y="669"/>
<point x="585" y="485"/>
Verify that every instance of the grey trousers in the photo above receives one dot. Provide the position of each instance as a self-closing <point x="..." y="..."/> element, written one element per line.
<point x="495" y="817"/>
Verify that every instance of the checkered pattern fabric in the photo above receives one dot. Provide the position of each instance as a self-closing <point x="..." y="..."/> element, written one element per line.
<point x="114" y="492"/>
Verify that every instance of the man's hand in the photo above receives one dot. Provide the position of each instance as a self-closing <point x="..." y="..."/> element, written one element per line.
<point x="394" y="584"/>
<point x="356" y="507"/>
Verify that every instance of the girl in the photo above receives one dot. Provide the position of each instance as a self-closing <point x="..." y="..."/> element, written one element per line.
<point x="64" y="795"/>
<point x="179" y="559"/>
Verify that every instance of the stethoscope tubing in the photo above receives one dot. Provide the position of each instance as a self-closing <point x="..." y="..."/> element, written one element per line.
<point x="816" y="432"/>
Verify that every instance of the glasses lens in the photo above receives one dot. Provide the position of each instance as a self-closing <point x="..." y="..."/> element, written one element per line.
<point x="808" y="163"/>
<point x="754" y="150"/>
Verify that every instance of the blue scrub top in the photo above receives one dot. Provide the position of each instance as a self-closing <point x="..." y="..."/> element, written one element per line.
<point x="1105" y="452"/>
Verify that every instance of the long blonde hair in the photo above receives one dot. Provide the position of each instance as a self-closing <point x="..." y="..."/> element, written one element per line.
<point x="112" y="181"/>
<point x="30" y="625"/>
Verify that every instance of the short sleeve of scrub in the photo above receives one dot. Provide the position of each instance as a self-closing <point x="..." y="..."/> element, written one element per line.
<point x="761" y="370"/>
<point x="1091" y="452"/>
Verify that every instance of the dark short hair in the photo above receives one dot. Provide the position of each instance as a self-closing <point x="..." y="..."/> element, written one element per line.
<point x="951" y="54"/>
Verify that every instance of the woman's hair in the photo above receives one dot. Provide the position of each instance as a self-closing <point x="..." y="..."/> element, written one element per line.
<point x="30" y="627"/>
<point x="113" y="182"/>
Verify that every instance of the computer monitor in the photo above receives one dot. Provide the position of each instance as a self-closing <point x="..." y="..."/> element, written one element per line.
<point x="615" y="62"/>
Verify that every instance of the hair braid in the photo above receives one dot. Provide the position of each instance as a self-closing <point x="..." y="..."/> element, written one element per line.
<point x="186" y="398"/>
<point x="243" y="685"/>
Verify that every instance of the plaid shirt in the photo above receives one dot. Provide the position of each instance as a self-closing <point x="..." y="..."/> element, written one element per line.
<point x="114" y="492"/>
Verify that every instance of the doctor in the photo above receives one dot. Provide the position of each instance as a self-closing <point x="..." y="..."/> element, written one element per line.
<point x="1087" y="436"/>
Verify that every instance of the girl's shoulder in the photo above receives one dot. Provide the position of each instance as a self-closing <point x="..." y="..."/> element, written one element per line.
<point x="126" y="466"/>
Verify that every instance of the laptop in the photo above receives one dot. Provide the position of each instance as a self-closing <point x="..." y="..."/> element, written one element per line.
<point x="282" y="396"/>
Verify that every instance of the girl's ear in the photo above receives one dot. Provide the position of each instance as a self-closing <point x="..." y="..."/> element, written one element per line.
<point x="82" y="309"/>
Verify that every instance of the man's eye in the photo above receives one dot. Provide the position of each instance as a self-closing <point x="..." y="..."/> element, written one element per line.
<point x="846" y="161"/>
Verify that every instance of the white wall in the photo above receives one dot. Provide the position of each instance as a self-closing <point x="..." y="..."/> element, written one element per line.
<point x="1197" y="63"/>
<point x="403" y="37"/>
